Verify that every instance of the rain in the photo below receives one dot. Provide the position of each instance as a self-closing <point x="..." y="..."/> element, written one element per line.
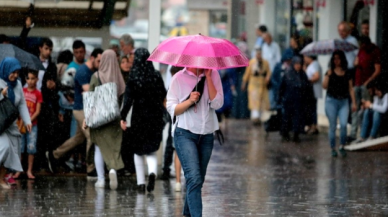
<point x="193" y="108"/>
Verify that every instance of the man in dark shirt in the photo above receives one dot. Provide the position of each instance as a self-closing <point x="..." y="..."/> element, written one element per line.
<point x="81" y="84"/>
<point x="368" y="67"/>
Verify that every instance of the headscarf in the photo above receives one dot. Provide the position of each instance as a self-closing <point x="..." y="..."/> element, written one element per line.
<point x="287" y="55"/>
<point x="296" y="60"/>
<point x="109" y="71"/>
<point x="7" y="67"/>
<point x="142" y="72"/>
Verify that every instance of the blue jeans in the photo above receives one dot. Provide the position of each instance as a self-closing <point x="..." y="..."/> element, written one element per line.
<point x="29" y="141"/>
<point x="369" y="115"/>
<point x="337" y="108"/>
<point x="194" y="152"/>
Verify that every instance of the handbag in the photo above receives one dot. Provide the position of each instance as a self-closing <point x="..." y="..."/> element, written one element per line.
<point x="21" y="127"/>
<point x="101" y="105"/>
<point x="8" y="114"/>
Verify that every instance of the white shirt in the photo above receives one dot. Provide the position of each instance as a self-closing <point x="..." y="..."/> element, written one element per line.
<point x="351" y="55"/>
<point x="204" y="120"/>
<point x="272" y="54"/>
<point x="168" y="77"/>
<point x="310" y="71"/>
<point x="380" y="104"/>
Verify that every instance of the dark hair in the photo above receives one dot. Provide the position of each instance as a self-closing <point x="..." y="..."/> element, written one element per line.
<point x="78" y="44"/>
<point x="46" y="41"/>
<point x="262" y="28"/>
<point x="371" y="84"/>
<point x="33" y="72"/>
<point x="365" y="40"/>
<point x="3" y="38"/>
<point x="175" y="69"/>
<point x="65" y="56"/>
<point x="96" y="51"/>
<point x="344" y="62"/>
<point x="365" y="22"/>
<point x="312" y="57"/>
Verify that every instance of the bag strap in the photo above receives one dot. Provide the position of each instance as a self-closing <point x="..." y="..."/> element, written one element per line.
<point x="98" y="77"/>
<point x="200" y="86"/>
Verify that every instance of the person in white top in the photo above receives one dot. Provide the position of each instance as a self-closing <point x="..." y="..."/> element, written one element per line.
<point x="344" y="31"/>
<point x="373" y="113"/>
<point x="314" y="74"/>
<point x="195" y="121"/>
<point x="271" y="51"/>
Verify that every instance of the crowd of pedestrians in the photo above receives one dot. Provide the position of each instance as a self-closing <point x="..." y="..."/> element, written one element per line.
<point x="294" y="83"/>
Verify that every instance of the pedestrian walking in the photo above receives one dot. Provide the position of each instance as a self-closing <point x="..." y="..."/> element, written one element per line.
<point x="34" y="102"/>
<point x="108" y="138"/>
<point x="314" y="74"/>
<point x="260" y="31"/>
<point x="10" y="139"/>
<point x="294" y="92"/>
<point x="271" y="51"/>
<point x="144" y="94"/>
<point x="339" y="86"/>
<point x="196" y="121"/>
<point x="81" y="83"/>
<point x="276" y="78"/>
<point x="257" y="76"/>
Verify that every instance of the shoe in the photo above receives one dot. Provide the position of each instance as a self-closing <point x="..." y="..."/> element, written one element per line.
<point x="100" y="184"/>
<point x="313" y="132"/>
<point x="141" y="188"/>
<point x="358" y="141"/>
<point x="165" y="176"/>
<point x="51" y="161"/>
<point x="342" y="152"/>
<point x="334" y="153"/>
<point x="5" y="186"/>
<point x="113" y="179"/>
<point x="178" y="187"/>
<point x="151" y="182"/>
<point x="92" y="176"/>
<point x="9" y="179"/>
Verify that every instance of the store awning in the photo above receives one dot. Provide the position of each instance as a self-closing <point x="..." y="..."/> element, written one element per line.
<point x="63" y="13"/>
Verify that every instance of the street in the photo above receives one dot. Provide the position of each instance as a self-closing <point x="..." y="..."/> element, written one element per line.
<point x="250" y="175"/>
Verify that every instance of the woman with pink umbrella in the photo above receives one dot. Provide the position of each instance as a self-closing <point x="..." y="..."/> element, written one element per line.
<point x="195" y="93"/>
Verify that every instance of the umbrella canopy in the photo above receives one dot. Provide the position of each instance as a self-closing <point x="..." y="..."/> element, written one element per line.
<point x="199" y="51"/>
<point x="327" y="47"/>
<point x="26" y="59"/>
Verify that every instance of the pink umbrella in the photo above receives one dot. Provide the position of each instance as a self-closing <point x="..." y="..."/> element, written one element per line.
<point x="199" y="51"/>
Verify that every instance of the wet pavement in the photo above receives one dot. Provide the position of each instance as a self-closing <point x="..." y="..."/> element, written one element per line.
<point x="250" y="175"/>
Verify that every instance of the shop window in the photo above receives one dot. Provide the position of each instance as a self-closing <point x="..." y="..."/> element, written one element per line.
<point x="302" y="23"/>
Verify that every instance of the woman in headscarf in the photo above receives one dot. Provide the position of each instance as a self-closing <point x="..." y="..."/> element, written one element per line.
<point x="257" y="75"/>
<point x="107" y="138"/>
<point x="295" y="91"/>
<point x="125" y="66"/>
<point x="10" y="139"/>
<point x="145" y="93"/>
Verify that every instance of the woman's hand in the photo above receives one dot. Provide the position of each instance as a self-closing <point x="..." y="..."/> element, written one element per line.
<point x="4" y="92"/>
<point x="367" y="104"/>
<point x="123" y="125"/>
<point x="208" y="72"/>
<point x="29" y="127"/>
<point x="61" y="118"/>
<point x="84" y="126"/>
<point x="194" y="97"/>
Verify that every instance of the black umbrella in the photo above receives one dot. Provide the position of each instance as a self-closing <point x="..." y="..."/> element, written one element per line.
<point x="26" y="59"/>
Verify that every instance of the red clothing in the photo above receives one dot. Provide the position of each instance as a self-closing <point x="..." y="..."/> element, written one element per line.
<point x="368" y="56"/>
<point x="32" y="99"/>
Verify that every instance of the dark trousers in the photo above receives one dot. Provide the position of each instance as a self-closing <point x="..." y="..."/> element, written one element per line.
<point x="169" y="151"/>
<point x="292" y="118"/>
